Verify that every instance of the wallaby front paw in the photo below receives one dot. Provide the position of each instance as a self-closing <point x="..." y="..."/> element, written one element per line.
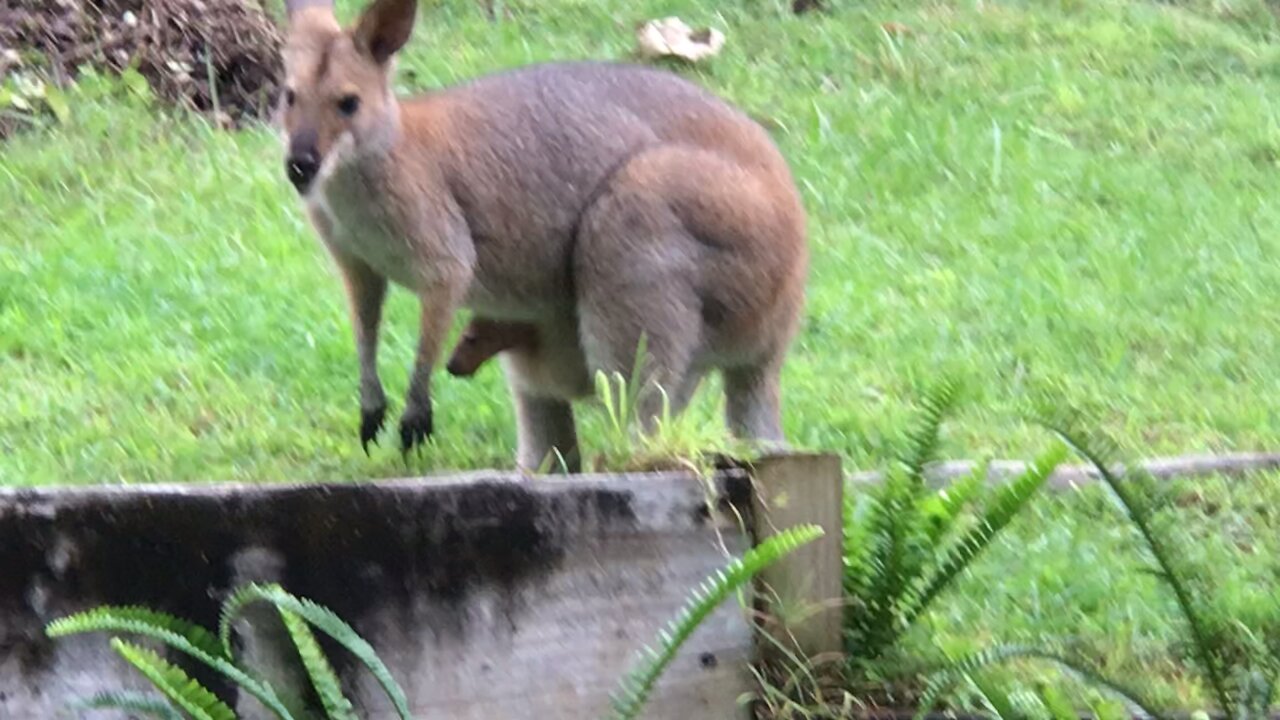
<point x="371" y="422"/>
<point x="415" y="427"/>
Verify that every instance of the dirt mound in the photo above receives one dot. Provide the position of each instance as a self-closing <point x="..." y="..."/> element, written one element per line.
<point x="209" y="55"/>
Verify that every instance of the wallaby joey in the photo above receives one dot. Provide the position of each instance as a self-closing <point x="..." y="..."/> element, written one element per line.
<point x="597" y="203"/>
<point x="482" y="339"/>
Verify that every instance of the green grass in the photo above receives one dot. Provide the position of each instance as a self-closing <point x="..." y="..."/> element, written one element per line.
<point x="1069" y="194"/>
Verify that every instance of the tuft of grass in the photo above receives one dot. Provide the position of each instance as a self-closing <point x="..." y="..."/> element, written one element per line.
<point x="683" y="441"/>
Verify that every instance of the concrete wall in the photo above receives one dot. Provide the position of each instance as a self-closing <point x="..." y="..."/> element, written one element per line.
<point x="489" y="596"/>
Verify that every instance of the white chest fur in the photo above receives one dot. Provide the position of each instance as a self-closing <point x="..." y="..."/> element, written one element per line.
<point x="355" y="220"/>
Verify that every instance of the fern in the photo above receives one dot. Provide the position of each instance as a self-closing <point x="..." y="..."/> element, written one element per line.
<point x="1100" y="451"/>
<point x="944" y="509"/>
<point x="637" y="685"/>
<point x="899" y="547"/>
<point x="858" y="543"/>
<point x="1010" y="499"/>
<point x="923" y="442"/>
<point x="155" y="706"/>
<point x="1000" y="703"/>
<point x="323" y="678"/>
<point x="92" y="620"/>
<point x="179" y="687"/>
<point x="900" y="528"/>
<point x="156" y="627"/>
<point x="1056" y="704"/>
<point x="322" y="618"/>
<point x="942" y="680"/>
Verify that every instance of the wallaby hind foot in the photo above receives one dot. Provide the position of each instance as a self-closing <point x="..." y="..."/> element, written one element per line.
<point x="752" y="404"/>
<point x="546" y="434"/>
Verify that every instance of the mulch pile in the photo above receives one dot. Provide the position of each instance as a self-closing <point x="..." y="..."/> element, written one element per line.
<point x="190" y="51"/>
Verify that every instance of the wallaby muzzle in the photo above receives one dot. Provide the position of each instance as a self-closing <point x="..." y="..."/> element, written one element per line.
<point x="303" y="162"/>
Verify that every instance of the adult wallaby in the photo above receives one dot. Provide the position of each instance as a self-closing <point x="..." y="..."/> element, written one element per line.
<point x="598" y="203"/>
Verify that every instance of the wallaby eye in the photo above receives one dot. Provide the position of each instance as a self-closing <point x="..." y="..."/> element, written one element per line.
<point x="290" y="97"/>
<point x="348" y="105"/>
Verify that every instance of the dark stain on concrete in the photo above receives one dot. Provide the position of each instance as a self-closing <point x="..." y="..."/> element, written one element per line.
<point x="611" y="507"/>
<point x="166" y="555"/>
<point x="733" y="499"/>
<point x="358" y="549"/>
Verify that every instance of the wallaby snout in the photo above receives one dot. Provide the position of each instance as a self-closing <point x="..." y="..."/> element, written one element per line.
<point x="483" y="339"/>
<point x="303" y="162"/>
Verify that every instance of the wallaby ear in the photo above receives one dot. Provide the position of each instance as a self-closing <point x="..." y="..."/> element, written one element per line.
<point x="384" y="27"/>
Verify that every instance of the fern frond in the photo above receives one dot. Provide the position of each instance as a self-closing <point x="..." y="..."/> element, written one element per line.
<point x="1000" y="703"/>
<point x="1092" y="674"/>
<point x="900" y="549"/>
<point x="182" y="689"/>
<point x="898" y="528"/>
<point x="858" y="539"/>
<point x="91" y="621"/>
<point x="635" y="687"/>
<point x="323" y="678"/>
<point x="107" y="619"/>
<point x="145" y="704"/>
<point x="940" y="681"/>
<point x="1098" y="450"/>
<point x="1008" y="501"/>
<point x="1057" y="705"/>
<point x="943" y="509"/>
<point x="923" y="442"/>
<point x="327" y="622"/>
<point x="231" y="609"/>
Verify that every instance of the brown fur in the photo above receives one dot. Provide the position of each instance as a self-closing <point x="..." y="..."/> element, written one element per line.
<point x="594" y="203"/>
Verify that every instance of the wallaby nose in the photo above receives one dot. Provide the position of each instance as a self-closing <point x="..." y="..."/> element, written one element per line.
<point x="302" y="169"/>
<point x="457" y="368"/>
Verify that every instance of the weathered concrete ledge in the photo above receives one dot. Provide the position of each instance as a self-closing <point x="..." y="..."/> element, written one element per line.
<point x="490" y="596"/>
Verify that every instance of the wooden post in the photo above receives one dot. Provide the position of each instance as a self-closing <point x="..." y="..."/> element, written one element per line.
<point x="803" y="592"/>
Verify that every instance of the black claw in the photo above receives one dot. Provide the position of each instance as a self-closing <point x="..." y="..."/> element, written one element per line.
<point x="415" y="428"/>
<point x="371" y="422"/>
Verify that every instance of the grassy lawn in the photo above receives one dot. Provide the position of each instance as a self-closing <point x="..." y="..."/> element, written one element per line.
<point x="1069" y="194"/>
<point x="1065" y="195"/>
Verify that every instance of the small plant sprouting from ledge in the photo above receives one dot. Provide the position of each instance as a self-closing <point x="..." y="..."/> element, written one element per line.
<point x="674" y="441"/>
<point x="178" y="690"/>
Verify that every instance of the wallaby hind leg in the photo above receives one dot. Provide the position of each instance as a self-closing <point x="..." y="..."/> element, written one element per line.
<point x="753" y="403"/>
<point x="546" y="434"/>
<point x="612" y="334"/>
<point x="636" y="274"/>
<point x="703" y="253"/>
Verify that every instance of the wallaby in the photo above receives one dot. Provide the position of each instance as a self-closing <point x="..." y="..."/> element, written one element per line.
<point x="482" y="339"/>
<point x="598" y="202"/>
